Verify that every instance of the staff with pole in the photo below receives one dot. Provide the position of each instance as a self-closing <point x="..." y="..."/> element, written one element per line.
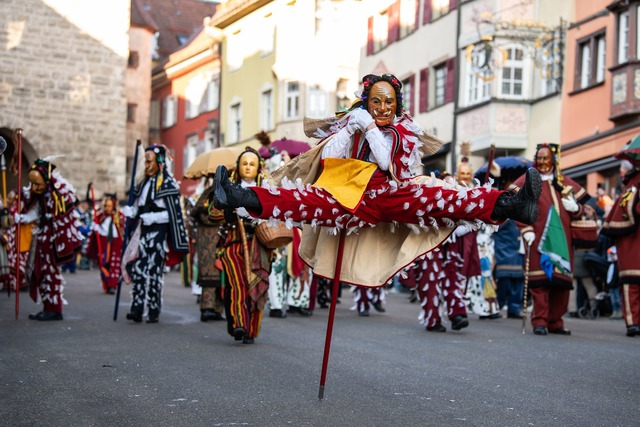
<point x="128" y="223"/>
<point x="17" y="140"/>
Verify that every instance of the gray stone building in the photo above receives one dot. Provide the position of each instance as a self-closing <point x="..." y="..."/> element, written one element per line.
<point x="62" y="80"/>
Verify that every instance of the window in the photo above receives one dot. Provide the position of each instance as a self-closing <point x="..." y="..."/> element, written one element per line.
<point x="134" y="59"/>
<point x="441" y="82"/>
<point x="235" y="122"/>
<point x="170" y="111"/>
<point x="317" y="102"/>
<point x="380" y="31"/>
<point x="591" y="61"/>
<point x="342" y="99"/>
<point x="131" y="113"/>
<point x="210" y="100"/>
<point x="292" y="100"/>
<point x="585" y="65"/>
<point x="623" y="37"/>
<point x="211" y="135"/>
<point x="512" y="83"/>
<point x="191" y="150"/>
<point x="407" y="94"/>
<point x="434" y="9"/>
<point x="266" y="110"/>
<point x="154" y="115"/>
<point x="182" y="39"/>
<point x="193" y="96"/>
<point x="477" y="86"/>
<point x="601" y="58"/>
<point x="408" y="17"/>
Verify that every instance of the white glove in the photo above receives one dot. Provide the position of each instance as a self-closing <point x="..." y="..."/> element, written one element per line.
<point x="129" y="211"/>
<point x="529" y="237"/>
<point x="154" y="218"/>
<point x="461" y="230"/>
<point x="359" y="119"/>
<point x="570" y="204"/>
<point x="26" y="218"/>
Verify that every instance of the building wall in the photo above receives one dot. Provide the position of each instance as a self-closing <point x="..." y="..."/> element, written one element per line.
<point x="245" y="83"/>
<point x="138" y="87"/>
<point x="175" y="137"/>
<point x="589" y="138"/>
<point x="62" y="72"/>
<point x="430" y="44"/>
<point x="580" y="119"/>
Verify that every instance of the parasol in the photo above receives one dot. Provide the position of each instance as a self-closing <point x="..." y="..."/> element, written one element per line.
<point x="631" y="151"/>
<point x="291" y="146"/>
<point x="511" y="167"/>
<point x="206" y="163"/>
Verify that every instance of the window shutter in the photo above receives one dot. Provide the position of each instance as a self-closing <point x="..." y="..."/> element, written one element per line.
<point x="394" y="22"/>
<point x="417" y="23"/>
<point x="412" y="86"/>
<point x="453" y="4"/>
<point x="370" y="36"/>
<point x="423" y="105"/>
<point x="448" y="90"/>
<point x="426" y="15"/>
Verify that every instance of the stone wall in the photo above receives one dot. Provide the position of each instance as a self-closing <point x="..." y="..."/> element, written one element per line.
<point x="62" y="80"/>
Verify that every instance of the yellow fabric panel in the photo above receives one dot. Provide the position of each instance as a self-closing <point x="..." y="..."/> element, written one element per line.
<point x="346" y="179"/>
<point x="25" y="237"/>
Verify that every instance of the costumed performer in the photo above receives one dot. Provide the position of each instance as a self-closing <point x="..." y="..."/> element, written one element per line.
<point x="622" y="226"/>
<point x="49" y="203"/>
<point x="107" y="255"/>
<point x="246" y="262"/>
<point x="160" y="236"/>
<point x="550" y="242"/>
<point x="369" y="160"/>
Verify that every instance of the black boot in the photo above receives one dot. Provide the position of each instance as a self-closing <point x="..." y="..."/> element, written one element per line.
<point x="523" y="205"/>
<point x="227" y="195"/>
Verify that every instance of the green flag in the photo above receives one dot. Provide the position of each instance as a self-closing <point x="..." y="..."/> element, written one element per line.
<point x="553" y="246"/>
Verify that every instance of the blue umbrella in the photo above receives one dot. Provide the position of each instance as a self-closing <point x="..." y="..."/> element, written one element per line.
<point x="511" y="167"/>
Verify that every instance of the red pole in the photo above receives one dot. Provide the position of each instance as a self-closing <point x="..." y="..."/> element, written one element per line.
<point x="332" y="312"/>
<point x="19" y="209"/>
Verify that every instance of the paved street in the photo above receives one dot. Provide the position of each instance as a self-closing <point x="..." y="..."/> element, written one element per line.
<point x="384" y="370"/>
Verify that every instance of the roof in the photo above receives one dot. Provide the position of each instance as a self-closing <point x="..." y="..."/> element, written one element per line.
<point x="142" y="18"/>
<point x="177" y="21"/>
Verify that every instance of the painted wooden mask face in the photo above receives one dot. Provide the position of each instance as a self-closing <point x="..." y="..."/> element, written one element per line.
<point x="150" y="164"/>
<point x="38" y="184"/>
<point x="544" y="161"/>
<point x="382" y="103"/>
<point x="248" y="166"/>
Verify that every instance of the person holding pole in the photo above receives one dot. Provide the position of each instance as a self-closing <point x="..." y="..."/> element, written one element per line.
<point x="160" y="237"/>
<point x="245" y="260"/>
<point x="366" y="172"/>
<point x="550" y="242"/>
<point x="49" y="202"/>
<point x="369" y="164"/>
